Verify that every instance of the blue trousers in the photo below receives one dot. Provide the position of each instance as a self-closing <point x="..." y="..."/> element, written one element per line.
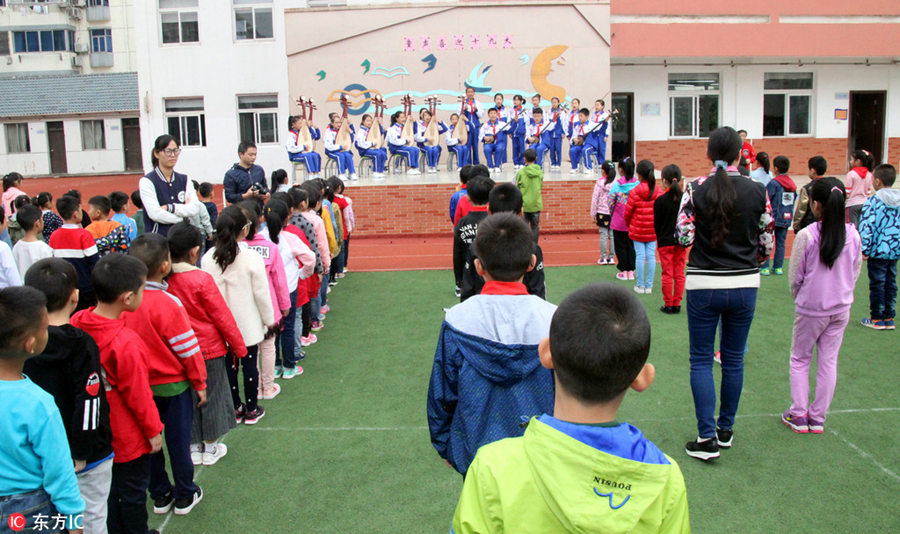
<point x="312" y="159"/>
<point x="344" y="159"/>
<point x="882" y="287"/>
<point x="493" y="155"/>
<point x="462" y="155"/>
<point x="432" y="154"/>
<point x="518" y="150"/>
<point x="285" y="339"/>
<point x="555" y="151"/>
<point x="378" y="155"/>
<point x="177" y="414"/>
<point x="705" y="307"/>
<point x="472" y="142"/>
<point x="579" y="153"/>
<point x="645" y="263"/>
<point x="29" y="505"/>
<point x="412" y="157"/>
<point x="780" y="245"/>
<point x="541" y="148"/>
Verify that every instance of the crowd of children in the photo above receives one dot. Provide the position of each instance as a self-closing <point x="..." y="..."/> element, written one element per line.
<point x="113" y="339"/>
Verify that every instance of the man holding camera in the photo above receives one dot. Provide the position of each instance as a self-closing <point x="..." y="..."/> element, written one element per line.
<point x="245" y="179"/>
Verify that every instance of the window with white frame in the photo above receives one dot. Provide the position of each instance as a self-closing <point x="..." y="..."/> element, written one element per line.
<point x="693" y="104"/>
<point x="179" y="21"/>
<point x="186" y="120"/>
<point x="258" y="118"/>
<point x="253" y="19"/>
<point x="92" y="135"/>
<point x="17" y="138"/>
<point x="787" y="103"/>
<point x="97" y="3"/>
<point x="43" y="41"/>
<point x="101" y="40"/>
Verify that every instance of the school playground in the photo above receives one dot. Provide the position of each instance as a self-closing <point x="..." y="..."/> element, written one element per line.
<point x="345" y="447"/>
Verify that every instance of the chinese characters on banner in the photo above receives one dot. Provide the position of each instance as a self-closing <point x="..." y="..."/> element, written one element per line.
<point x="457" y="42"/>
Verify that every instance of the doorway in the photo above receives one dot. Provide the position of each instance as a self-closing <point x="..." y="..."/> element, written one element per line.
<point x="623" y="126"/>
<point x="867" y="118"/>
<point x="131" y="141"/>
<point x="56" y="138"/>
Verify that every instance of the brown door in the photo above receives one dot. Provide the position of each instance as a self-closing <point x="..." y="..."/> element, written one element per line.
<point x="131" y="140"/>
<point x="867" y="111"/>
<point x="56" y="138"/>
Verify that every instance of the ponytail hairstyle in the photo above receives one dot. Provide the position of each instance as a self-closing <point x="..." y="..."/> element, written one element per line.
<point x="868" y="161"/>
<point x="279" y="177"/>
<point x="229" y="225"/>
<point x="252" y="212"/>
<point x="626" y="168"/>
<point x="183" y="237"/>
<point x="394" y="117"/>
<point x="646" y="174"/>
<point x="161" y="143"/>
<point x="12" y="179"/>
<point x="298" y="196"/>
<point x="609" y="170"/>
<point x="44" y="200"/>
<point x="762" y="159"/>
<point x="291" y="120"/>
<point x="830" y="194"/>
<point x="723" y="149"/>
<point x="671" y="175"/>
<point x="276" y="213"/>
<point x="326" y="189"/>
<point x="336" y="185"/>
<point x="313" y="193"/>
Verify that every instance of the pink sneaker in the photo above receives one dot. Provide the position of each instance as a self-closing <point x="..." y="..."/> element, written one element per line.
<point x="631" y="275"/>
<point x="326" y="308"/>
<point x="622" y="275"/>
<point x="308" y="340"/>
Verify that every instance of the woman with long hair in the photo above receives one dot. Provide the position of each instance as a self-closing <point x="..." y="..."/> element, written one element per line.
<point x="168" y="196"/>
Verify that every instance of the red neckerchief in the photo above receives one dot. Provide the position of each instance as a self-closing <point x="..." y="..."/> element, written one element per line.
<point x="504" y="288"/>
<point x="471" y="104"/>
<point x="478" y="208"/>
<point x="538" y="126"/>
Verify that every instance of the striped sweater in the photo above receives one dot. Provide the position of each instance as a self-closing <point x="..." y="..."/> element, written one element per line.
<point x="76" y="245"/>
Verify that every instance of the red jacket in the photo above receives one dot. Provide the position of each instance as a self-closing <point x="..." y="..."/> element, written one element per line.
<point x="209" y="314"/>
<point x="166" y="329"/>
<point x="639" y="213"/>
<point x="302" y="285"/>
<point x="123" y="355"/>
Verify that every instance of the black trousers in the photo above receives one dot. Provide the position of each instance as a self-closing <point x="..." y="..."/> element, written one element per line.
<point x="624" y="250"/>
<point x="128" y="497"/>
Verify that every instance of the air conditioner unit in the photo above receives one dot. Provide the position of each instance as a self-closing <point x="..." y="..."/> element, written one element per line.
<point x="77" y="62"/>
<point x="74" y="13"/>
<point x="78" y="3"/>
<point x="81" y="48"/>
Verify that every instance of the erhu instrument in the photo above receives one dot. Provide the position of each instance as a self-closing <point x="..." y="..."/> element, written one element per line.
<point x="432" y="137"/>
<point x="375" y="136"/>
<point x="461" y="130"/>
<point x="408" y="133"/>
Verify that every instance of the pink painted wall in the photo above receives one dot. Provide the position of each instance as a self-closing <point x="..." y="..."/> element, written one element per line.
<point x="773" y="39"/>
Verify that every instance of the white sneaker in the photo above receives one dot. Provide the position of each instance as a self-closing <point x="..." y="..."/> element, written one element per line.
<point x="342" y="176"/>
<point x="196" y="453"/>
<point x="213" y="453"/>
<point x="353" y="176"/>
<point x="378" y="176"/>
<point x="413" y="172"/>
<point x="648" y="291"/>
<point x="432" y="170"/>
<point x="275" y="391"/>
<point x="639" y="290"/>
<point x="588" y="171"/>
<point x="574" y="171"/>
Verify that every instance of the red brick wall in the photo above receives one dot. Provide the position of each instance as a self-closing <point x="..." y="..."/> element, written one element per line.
<point x="424" y="209"/>
<point x="893" y="155"/>
<point x="690" y="154"/>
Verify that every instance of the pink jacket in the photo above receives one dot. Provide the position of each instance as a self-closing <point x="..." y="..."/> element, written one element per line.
<point x="600" y="198"/>
<point x="278" y="286"/>
<point x="8" y="196"/>
<point x="321" y="238"/>
<point x="859" y="187"/>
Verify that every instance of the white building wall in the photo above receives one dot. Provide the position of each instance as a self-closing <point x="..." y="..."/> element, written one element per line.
<point x="110" y="159"/>
<point x="218" y="68"/>
<point x="30" y="163"/>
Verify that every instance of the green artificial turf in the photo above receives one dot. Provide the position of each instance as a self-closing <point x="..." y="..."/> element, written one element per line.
<point x="345" y="447"/>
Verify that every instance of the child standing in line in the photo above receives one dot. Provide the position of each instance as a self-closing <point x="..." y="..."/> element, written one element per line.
<point x="118" y="202"/>
<point x="76" y="245"/>
<point x="782" y="193"/>
<point x="110" y="236"/>
<point x="240" y="275"/>
<point x="859" y="184"/>
<point x="139" y="214"/>
<point x="205" y="193"/>
<point x="258" y="241"/>
<point x="639" y="218"/>
<point x="618" y="198"/>
<point x="9" y="273"/>
<point x="69" y="369"/>
<point x="825" y="264"/>
<point x="34" y="455"/>
<point x="136" y="427"/>
<point x="30" y="249"/>
<point x="762" y="173"/>
<point x="747" y="149"/>
<point x="219" y="340"/>
<point x="176" y="367"/>
<point x="201" y="220"/>
<point x="879" y="227"/>
<point x="479" y="191"/>
<point x="672" y="256"/>
<point x="304" y="229"/>
<point x="530" y="181"/>
<point x="600" y="212"/>
<point x="803" y="215"/>
<point x="52" y="221"/>
<point x="321" y="239"/>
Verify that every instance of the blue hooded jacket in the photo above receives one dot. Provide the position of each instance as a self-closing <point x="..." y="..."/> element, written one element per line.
<point x="487" y="379"/>
<point x="879" y="225"/>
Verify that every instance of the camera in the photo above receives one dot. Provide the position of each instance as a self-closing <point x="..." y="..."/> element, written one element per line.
<point x="260" y="188"/>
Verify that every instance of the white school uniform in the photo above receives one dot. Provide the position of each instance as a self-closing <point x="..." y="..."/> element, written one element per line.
<point x="535" y="129"/>
<point x="419" y="136"/>
<point x="293" y="144"/>
<point x="491" y="129"/>
<point x="451" y="141"/>
<point x="393" y="135"/>
<point x="329" y="140"/>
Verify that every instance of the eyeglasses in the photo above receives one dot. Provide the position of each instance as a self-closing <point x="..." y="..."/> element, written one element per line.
<point x="172" y="151"/>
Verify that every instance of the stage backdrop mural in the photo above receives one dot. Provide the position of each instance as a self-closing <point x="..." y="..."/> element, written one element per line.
<point x="553" y="49"/>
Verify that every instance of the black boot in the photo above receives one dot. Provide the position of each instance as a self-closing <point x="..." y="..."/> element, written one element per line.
<point x="675" y="309"/>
